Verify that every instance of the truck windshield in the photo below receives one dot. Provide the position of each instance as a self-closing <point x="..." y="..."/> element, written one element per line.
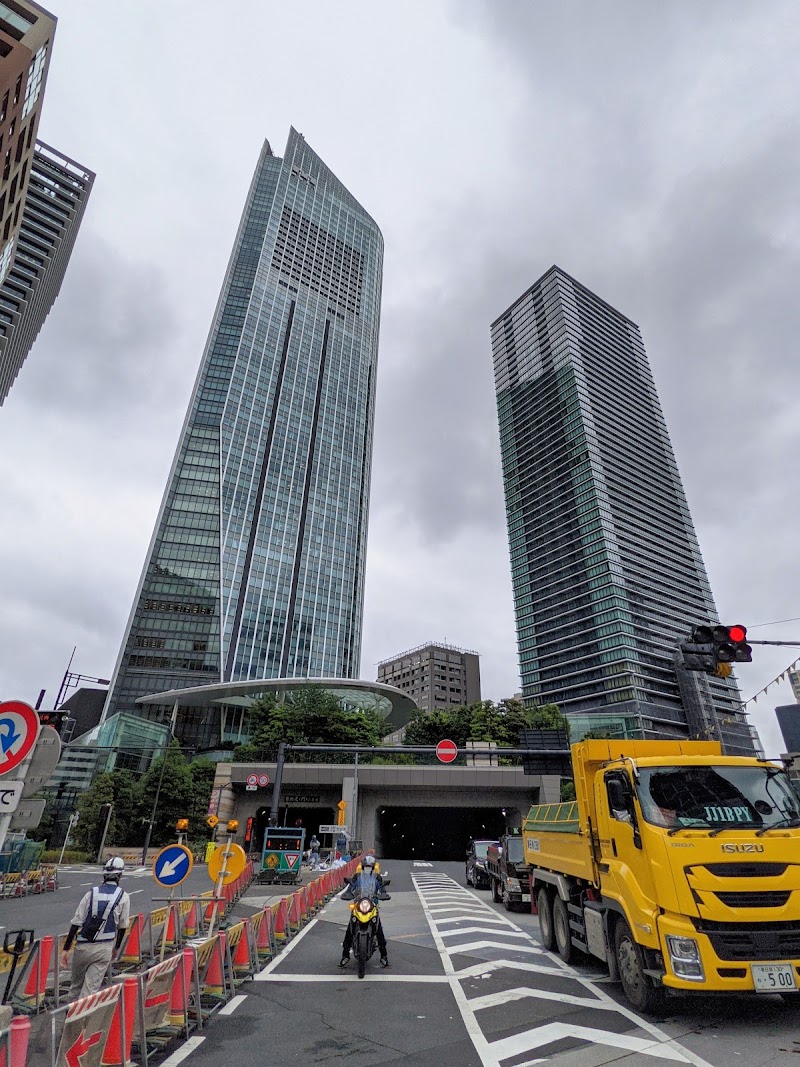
<point x="481" y="848"/>
<point x="718" y="797"/>
<point x="514" y="853"/>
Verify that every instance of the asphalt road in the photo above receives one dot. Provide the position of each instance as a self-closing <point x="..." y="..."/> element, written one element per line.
<point x="469" y="986"/>
<point x="50" y="913"/>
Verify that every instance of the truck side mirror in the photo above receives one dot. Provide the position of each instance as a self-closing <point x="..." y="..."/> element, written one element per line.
<point x="618" y="795"/>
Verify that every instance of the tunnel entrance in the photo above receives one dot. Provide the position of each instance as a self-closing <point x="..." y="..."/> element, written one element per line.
<point x="436" y="833"/>
<point x="310" y="819"/>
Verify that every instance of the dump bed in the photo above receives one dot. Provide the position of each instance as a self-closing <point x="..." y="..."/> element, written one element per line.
<point x="554" y="840"/>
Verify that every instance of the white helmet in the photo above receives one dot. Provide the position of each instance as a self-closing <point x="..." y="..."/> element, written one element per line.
<point x="368" y="861"/>
<point x="114" y="867"/>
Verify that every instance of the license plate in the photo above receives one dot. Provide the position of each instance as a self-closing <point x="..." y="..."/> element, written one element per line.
<point x="773" y="977"/>
<point x="526" y="898"/>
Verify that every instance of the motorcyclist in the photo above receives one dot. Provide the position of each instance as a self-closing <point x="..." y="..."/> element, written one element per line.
<point x="366" y="882"/>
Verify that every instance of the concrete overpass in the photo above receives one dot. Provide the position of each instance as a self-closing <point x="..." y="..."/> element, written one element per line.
<point x="414" y="812"/>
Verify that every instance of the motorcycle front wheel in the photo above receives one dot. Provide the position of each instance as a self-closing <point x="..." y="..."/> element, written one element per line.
<point x="363" y="952"/>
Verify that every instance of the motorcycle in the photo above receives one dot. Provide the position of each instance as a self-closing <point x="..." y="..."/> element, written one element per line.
<point x="364" y="917"/>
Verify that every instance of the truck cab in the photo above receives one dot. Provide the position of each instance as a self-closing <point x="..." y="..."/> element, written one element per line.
<point x="678" y="866"/>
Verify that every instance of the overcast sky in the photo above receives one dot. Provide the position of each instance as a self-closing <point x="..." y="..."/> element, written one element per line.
<point x="652" y="150"/>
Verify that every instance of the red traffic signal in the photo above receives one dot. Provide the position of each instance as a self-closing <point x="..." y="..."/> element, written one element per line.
<point x="737" y="633"/>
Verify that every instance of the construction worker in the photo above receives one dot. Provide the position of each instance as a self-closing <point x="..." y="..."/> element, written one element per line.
<point x="97" y="929"/>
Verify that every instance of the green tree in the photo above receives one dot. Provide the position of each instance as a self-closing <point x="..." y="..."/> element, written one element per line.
<point x="174" y="799"/>
<point x="123" y="783"/>
<point x="86" y="833"/>
<point x="308" y="715"/>
<point x="202" y="772"/>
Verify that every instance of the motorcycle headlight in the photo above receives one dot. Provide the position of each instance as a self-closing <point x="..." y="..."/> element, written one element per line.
<point x="365" y="906"/>
<point x="684" y="955"/>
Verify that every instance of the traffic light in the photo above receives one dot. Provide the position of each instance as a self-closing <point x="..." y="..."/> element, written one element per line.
<point x="713" y="648"/>
<point x="698" y="653"/>
<point x="730" y="645"/>
<point x="56" y="719"/>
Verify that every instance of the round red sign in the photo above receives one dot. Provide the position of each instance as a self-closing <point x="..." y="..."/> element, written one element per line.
<point x="446" y="751"/>
<point x="19" y="728"/>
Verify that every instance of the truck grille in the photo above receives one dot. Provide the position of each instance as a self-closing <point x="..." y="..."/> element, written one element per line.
<point x="758" y="941"/>
<point x="746" y="870"/>
<point x="774" y="899"/>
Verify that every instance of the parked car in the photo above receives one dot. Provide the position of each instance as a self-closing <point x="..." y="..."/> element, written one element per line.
<point x="476" y="873"/>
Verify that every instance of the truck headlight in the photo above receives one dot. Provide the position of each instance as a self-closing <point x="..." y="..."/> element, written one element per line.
<point x="513" y="884"/>
<point x="684" y="955"/>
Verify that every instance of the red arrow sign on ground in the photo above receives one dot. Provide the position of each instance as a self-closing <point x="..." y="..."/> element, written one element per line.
<point x="446" y="751"/>
<point x="80" y="1048"/>
<point x="160" y="998"/>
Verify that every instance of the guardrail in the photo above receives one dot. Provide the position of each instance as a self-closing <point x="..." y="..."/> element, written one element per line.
<point x="151" y="1002"/>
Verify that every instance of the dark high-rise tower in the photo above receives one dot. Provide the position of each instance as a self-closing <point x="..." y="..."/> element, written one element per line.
<point x="256" y="567"/>
<point x="57" y="193"/>
<point x="606" y="568"/>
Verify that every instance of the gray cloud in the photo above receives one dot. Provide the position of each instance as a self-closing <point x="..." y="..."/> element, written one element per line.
<point x="105" y="347"/>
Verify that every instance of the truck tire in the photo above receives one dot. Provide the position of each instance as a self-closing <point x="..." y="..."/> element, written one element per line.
<point x="546" y="932"/>
<point x="562" y="932"/>
<point x="640" y="991"/>
<point x="497" y="896"/>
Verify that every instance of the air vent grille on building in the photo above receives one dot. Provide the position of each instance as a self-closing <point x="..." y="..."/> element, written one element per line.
<point x="310" y="255"/>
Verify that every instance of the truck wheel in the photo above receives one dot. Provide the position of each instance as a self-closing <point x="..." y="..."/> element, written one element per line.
<point x="496" y="895"/>
<point x="543" y="902"/>
<point x="637" y="987"/>
<point x="562" y="932"/>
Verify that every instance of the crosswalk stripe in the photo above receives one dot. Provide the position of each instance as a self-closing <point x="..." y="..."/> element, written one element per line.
<point x="481" y="930"/>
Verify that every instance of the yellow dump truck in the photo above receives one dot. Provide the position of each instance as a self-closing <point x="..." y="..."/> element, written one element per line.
<point x="676" y="865"/>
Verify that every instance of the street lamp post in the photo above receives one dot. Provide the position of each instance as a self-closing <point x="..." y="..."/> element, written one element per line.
<point x="149" y="832"/>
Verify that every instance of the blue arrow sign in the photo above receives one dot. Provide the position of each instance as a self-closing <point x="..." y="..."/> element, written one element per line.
<point x="172" y="865"/>
<point x="7" y="734"/>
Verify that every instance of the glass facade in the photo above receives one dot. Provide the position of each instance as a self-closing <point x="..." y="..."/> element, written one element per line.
<point x="606" y="568"/>
<point x="256" y="567"/>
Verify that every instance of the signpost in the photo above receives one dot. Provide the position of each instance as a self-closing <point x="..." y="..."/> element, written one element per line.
<point x="19" y="729"/>
<point x="227" y="863"/>
<point x="172" y="865"/>
<point x="446" y="751"/>
<point x="10" y="793"/>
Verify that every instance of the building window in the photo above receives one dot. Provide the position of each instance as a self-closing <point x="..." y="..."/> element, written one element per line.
<point x="34" y="85"/>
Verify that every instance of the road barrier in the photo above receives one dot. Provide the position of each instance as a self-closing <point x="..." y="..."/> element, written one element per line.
<point x="26" y="883"/>
<point x="141" y="1013"/>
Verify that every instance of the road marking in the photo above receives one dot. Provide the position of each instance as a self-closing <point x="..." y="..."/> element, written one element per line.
<point x="233" y="1004"/>
<point x="494" y="1000"/>
<point x="499" y="921"/>
<point x="185" y="1050"/>
<point x="481" y="930"/>
<point x="344" y="976"/>
<point x="86" y="883"/>
<point x="270" y="967"/>
<point x="471" y="1024"/>
<point x="660" y="1044"/>
<point x="531" y="1040"/>
<point x="133" y="892"/>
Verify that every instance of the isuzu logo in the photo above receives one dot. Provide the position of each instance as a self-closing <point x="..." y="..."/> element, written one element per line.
<point x="749" y="846"/>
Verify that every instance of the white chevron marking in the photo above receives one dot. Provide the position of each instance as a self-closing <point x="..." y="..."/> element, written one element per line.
<point x="516" y="1045"/>
<point x="483" y="930"/>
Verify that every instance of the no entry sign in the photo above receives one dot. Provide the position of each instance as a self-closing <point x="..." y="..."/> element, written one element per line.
<point x="446" y="751"/>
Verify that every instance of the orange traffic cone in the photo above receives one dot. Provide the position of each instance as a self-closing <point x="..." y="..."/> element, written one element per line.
<point x="117" y="1050"/>
<point x="182" y="989"/>
<point x="264" y="939"/>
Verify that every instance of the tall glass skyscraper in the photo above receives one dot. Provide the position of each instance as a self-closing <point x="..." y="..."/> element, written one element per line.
<point x="606" y="568"/>
<point x="256" y="566"/>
